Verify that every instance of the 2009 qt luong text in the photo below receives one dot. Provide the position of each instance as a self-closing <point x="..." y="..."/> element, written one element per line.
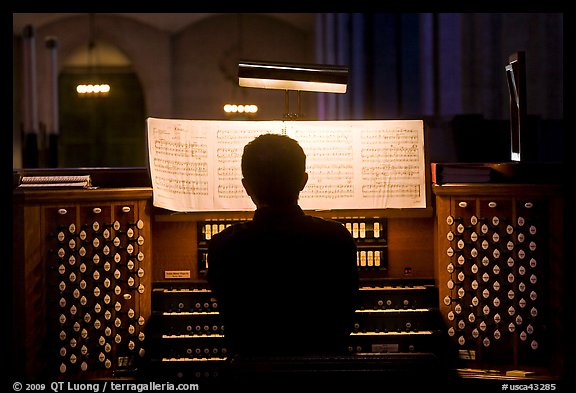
<point x="124" y="386"/>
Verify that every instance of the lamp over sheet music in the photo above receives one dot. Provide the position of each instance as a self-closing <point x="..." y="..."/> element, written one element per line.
<point x="296" y="77"/>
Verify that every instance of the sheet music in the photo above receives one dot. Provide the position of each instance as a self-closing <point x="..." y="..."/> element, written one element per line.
<point x="366" y="164"/>
<point x="362" y="164"/>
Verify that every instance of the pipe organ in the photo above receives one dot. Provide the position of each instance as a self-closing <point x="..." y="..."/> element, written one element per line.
<point x="106" y="286"/>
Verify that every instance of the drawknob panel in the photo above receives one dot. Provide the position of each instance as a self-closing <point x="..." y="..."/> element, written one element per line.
<point x="95" y="270"/>
<point x="494" y="264"/>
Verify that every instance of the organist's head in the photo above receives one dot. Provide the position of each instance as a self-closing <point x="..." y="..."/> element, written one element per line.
<point x="274" y="170"/>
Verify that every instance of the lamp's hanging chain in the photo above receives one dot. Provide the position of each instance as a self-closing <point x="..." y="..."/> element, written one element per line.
<point x="91" y="41"/>
<point x="239" y="45"/>
<point x="240" y="36"/>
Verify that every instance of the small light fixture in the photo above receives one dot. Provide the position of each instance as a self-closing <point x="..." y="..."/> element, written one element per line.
<point x="240" y="109"/>
<point x="322" y="78"/>
<point x="93" y="89"/>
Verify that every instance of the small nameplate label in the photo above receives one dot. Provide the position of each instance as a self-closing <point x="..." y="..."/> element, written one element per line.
<point x="176" y="274"/>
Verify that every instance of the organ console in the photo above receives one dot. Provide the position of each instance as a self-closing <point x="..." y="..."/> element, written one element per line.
<point x="106" y="285"/>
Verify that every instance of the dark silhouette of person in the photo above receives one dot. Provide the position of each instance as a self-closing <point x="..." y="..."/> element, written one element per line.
<point x="286" y="281"/>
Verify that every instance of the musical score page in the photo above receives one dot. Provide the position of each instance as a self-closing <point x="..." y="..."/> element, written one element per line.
<point x="357" y="164"/>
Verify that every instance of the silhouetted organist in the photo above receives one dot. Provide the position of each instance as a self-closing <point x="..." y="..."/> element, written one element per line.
<point x="286" y="281"/>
